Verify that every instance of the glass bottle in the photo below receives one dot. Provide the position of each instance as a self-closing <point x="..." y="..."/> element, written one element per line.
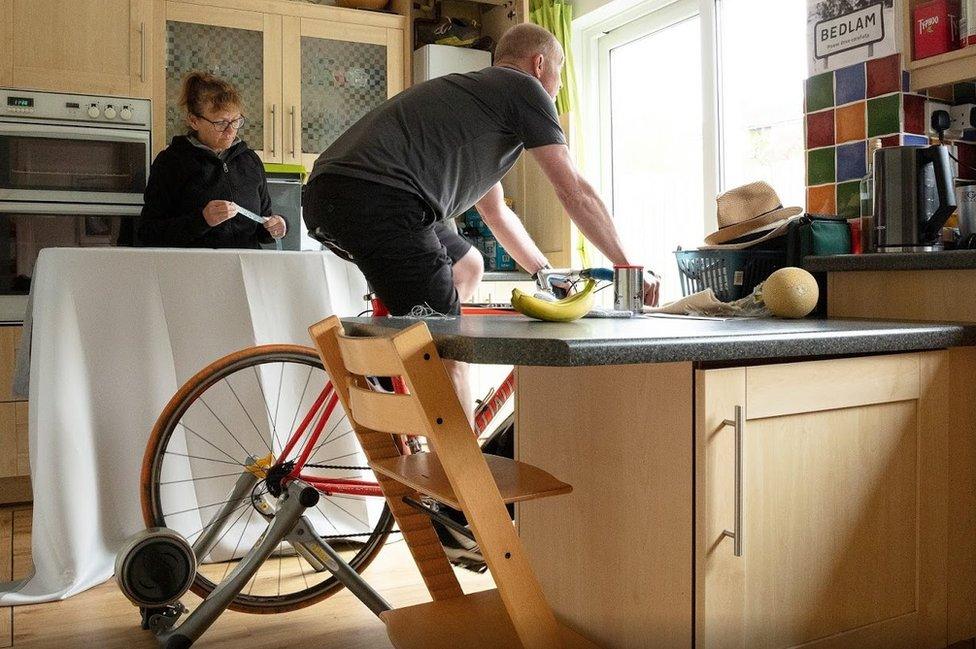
<point x="867" y="201"/>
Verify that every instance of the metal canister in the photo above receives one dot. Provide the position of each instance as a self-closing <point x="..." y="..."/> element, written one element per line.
<point x="628" y="288"/>
<point x="966" y="202"/>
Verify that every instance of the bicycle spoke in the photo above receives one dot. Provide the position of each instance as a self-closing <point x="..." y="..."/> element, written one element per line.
<point x="281" y="376"/>
<point x="280" y="559"/>
<point x="221" y="537"/>
<point x="212" y="523"/>
<point x="335" y="504"/>
<point x="264" y="400"/>
<point x="316" y="449"/>
<point x="302" y="568"/>
<point x="236" y="547"/>
<point x="228" y="455"/>
<point x="335" y="439"/>
<point x="298" y="408"/>
<point x="209" y="477"/>
<point x="251" y="587"/>
<point x="221" y="421"/>
<point x="326" y="516"/>
<point x="198" y="457"/>
<point x="311" y="431"/>
<point x="247" y="414"/>
<point x="191" y="509"/>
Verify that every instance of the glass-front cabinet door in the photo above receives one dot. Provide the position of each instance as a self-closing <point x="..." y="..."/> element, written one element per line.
<point x="242" y="47"/>
<point x="333" y="74"/>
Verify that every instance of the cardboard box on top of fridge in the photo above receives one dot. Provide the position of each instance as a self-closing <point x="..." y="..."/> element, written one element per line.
<point x="936" y="28"/>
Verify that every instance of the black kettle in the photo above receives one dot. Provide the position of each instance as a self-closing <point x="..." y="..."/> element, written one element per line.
<point x="913" y="197"/>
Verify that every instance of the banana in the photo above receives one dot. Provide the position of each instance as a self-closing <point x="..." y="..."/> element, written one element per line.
<point x="575" y="306"/>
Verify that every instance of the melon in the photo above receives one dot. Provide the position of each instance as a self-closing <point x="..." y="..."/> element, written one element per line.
<point x="790" y="292"/>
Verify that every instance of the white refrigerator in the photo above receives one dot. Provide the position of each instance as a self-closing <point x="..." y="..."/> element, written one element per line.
<point x="431" y="61"/>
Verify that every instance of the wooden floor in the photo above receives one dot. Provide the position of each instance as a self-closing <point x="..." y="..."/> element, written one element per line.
<point x="102" y="618"/>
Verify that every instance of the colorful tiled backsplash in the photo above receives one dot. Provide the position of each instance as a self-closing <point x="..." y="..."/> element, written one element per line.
<point x="847" y="108"/>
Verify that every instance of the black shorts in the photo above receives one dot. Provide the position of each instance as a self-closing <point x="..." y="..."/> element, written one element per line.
<point x="391" y="236"/>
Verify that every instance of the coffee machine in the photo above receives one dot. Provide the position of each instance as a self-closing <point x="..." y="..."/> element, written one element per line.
<point x="913" y="197"/>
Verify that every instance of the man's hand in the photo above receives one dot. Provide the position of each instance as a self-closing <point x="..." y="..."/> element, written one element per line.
<point x="216" y="212"/>
<point x="275" y="225"/>
<point x="652" y="289"/>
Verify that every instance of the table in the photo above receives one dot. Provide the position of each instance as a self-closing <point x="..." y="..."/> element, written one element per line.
<point x="113" y="333"/>
<point x="842" y="429"/>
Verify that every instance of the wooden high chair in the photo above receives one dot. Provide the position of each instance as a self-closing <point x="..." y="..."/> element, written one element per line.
<point x="455" y="473"/>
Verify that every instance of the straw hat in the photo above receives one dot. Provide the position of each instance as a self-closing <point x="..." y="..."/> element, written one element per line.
<point x="752" y="209"/>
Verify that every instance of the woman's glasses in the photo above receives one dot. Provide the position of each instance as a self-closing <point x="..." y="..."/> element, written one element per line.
<point x="223" y="125"/>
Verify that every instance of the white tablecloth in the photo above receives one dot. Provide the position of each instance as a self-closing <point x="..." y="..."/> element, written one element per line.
<point x="114" y="332"/>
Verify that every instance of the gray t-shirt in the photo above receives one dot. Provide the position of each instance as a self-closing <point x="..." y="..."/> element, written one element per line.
<point x="448" y="140"/>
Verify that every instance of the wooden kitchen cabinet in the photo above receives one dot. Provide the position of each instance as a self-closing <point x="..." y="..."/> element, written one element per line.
<point x="952" y="67"/>
<point x="844" y="517"/>
<point x="243" y="47"/>
<point x="83" y="46"/>
<point x="937" y="295"/>
<point x="333" y="74"/>
<point x="305" y="72"/>
<point x="14" y="449"/>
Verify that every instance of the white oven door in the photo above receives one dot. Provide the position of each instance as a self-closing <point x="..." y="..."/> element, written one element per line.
<point x="56" y="164"/>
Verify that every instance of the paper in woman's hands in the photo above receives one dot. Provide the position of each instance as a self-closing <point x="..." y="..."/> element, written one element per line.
<point x="251" y="215"/>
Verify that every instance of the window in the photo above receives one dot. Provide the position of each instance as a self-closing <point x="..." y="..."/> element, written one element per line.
<point x="683" y="100"/>
<point x="654" y="146"/>
<point x="762" y="65"/>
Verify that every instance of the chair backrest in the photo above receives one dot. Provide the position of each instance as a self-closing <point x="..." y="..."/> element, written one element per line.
<point x="429" y="408"/>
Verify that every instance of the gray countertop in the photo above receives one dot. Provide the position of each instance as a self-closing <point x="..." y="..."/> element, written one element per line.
<point x="518" y="340"/>
<point x="948" y="259"/>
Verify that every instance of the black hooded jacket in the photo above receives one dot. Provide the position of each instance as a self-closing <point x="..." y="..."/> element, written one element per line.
<point x="184" y="178"/>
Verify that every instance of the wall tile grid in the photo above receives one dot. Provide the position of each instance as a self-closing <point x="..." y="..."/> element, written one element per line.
<point x="847" y="108"/>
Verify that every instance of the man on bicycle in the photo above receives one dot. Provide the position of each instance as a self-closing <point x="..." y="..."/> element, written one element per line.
<point x="383" y="195"/>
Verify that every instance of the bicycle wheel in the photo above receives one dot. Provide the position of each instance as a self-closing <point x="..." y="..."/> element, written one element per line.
<point x="239" y="409"/>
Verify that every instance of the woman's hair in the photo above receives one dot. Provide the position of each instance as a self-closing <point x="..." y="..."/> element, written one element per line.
<point x="202" y="90"/>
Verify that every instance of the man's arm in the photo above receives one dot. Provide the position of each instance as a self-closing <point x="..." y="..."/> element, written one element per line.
<point x="586" y="208"/>
<point x="509" y="231"/>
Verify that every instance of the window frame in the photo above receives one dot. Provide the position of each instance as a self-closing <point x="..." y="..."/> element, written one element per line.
<point x="618" y="22"/>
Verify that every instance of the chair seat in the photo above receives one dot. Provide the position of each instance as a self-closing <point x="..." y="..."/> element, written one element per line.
<point x="517" y="481"/>
<point x="473" y="621"/>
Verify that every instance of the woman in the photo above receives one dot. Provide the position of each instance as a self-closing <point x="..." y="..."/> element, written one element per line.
<point x="197" y="183"/>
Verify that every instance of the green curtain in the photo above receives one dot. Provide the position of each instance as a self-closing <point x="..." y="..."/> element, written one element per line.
<point x="557" y="17"/>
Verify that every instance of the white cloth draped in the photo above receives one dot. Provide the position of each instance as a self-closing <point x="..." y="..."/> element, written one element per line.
<point x="113" y="333"/>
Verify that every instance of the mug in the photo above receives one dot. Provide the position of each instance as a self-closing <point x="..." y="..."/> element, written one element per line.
<point x="628" y="288"/>
<point x="966" y="202"/>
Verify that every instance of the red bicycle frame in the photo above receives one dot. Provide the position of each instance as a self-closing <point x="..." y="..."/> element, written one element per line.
<point x="328" y="399"/>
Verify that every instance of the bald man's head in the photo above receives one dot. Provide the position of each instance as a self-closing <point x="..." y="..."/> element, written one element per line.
<point x="525" y="41"/>
<point x="534" y="50"/>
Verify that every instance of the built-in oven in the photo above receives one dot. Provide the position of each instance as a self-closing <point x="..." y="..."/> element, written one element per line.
<point x="73" y="169"/>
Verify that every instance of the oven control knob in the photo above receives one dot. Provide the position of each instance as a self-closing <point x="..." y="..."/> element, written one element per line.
<point x="93" y="111"/>
<point x="110" y="112"/>
<point x="125" y="113"/>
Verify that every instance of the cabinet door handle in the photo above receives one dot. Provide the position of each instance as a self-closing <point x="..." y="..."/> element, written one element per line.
<point x="142" y="52"/>
<point x="274" y="127"/>
<point x="736" y="534"/>
<point x="291" y="112"/>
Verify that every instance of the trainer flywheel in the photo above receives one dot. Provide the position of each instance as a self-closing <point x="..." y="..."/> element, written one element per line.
<point x="155" y="567"/>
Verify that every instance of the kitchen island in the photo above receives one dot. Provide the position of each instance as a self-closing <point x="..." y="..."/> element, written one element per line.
<point x="844" y="495"/>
